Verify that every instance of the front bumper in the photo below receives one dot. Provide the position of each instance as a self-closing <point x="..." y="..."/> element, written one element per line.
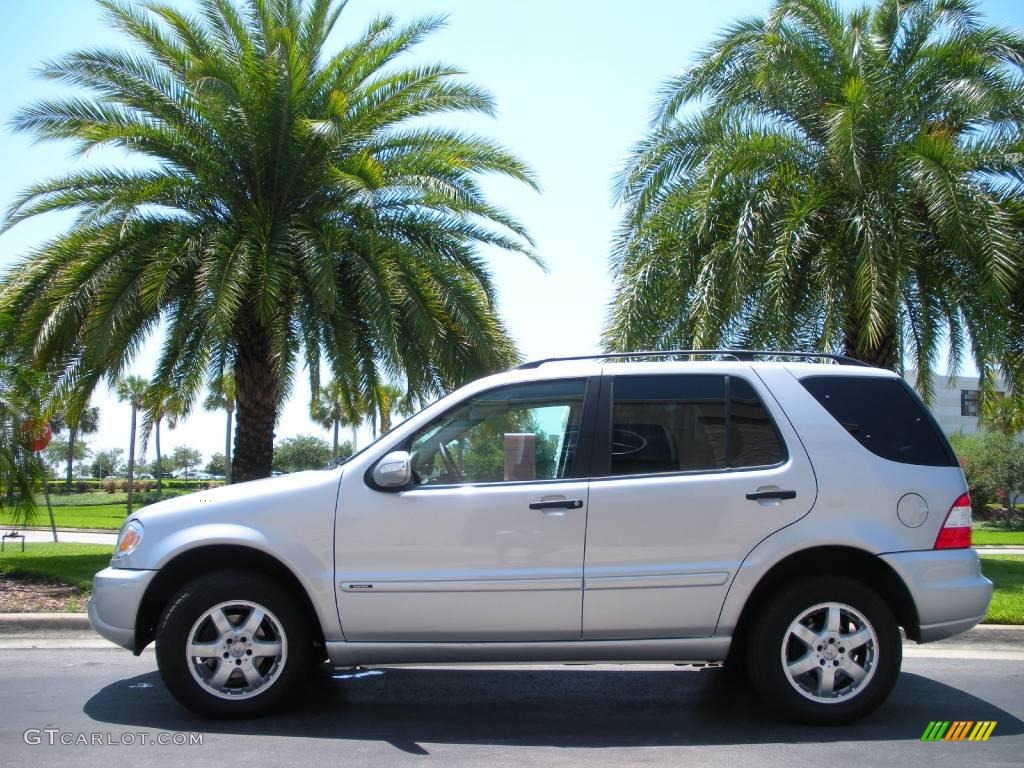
<point x="948" y="589"/>
<point x="116" y="596"/>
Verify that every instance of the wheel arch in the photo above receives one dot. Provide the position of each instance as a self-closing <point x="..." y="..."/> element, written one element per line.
<point x="199" y="561"/>
<point x="833" y="561"/>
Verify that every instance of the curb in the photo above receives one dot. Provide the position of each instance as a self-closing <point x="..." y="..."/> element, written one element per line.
<point x="37" y="622"/>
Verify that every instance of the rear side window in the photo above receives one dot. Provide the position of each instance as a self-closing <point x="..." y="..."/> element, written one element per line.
<point x="689" y="423"/>
<point x="885" y="416"/>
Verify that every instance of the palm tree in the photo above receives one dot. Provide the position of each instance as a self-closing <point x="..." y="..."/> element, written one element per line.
<point x="338" y="405"/>
<point x="293" y="200"/>
<point x="132" y="390"/>
<point x="830" y="180"/>
<point x="21" y="471"/>
<point x="391" y="401"/>
<point x="78" y="421"/>
<point x="158" y="403"/>
<point x="1004" y="415"/>
<point x="222" y="398"/>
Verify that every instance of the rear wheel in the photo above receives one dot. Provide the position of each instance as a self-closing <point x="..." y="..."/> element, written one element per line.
<point x="825" y="652"/>
<point x="232" y="644"/>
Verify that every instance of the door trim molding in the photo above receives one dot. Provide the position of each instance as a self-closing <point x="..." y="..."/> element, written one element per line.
<point x="657" y="580"/>
<point x="376" y="586"/>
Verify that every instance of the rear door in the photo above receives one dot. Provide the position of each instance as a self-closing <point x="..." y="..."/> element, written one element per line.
<point x="692" y="470"/>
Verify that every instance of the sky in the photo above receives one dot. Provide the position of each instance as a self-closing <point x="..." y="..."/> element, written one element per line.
<point x="575" y="83"/>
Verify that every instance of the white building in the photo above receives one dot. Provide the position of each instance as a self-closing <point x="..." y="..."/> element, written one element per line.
<point x="955" y="403"/>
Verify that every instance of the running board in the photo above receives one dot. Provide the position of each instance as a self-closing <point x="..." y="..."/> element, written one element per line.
<point x="700" y="649"/>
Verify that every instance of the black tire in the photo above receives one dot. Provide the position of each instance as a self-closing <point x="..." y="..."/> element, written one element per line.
<point x="765" y="653"/>
<point x="196" y="598"/>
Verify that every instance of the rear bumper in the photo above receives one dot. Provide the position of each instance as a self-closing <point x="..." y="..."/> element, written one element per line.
<point x="116" y="596"/>
<point x="947" y="587"/>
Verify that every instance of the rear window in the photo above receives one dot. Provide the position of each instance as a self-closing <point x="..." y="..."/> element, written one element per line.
<point x="885" y="416"/>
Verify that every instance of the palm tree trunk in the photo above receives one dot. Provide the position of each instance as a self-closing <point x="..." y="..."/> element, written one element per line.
<point x="257" y="391"/>
<point x="159" y="463"/>
<point x="71" y="458"/>
<point x="131" y="461"/>
<point x="355" y="431"/>
<point x="334" y="450"/>
<point x="46" y="492"/>
<point x="9" y="480"/>
<point x="883" y="354"/>
<point x="227" y="450"/>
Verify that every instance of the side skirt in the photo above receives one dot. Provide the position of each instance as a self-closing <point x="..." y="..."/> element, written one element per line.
<point x="700" y="649"/>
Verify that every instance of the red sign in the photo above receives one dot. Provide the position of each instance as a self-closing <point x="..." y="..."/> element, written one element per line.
<point x="39" y="432"/>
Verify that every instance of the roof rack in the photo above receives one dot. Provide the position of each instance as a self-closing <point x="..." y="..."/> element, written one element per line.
<point x="735" y="354"/>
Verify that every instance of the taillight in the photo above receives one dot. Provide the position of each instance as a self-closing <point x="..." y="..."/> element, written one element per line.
<point x="956" y="531"/>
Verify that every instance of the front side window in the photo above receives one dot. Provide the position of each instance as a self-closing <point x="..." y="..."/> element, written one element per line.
<point x="516" y="433"/>
<point x="689" y="423"/>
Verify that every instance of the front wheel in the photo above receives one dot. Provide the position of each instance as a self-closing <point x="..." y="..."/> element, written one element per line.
<point x="826" y="652"/>
<point x="232" y="644"/>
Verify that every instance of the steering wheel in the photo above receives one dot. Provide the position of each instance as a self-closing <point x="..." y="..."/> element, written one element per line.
<point x="449" y="463"/>
<point x="625" y="442"/>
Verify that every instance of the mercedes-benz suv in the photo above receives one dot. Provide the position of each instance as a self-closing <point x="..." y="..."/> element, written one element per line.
<point x="783" y="513"/>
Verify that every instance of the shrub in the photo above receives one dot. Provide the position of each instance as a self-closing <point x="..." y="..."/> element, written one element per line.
<point x="994" y="467"/>
<point x="109" y="486"/>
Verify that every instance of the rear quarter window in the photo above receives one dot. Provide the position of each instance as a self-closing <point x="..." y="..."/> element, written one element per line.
<point x="885" y="416"/>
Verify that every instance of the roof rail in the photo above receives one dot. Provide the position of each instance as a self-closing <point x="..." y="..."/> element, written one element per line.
<point x="735" y="354"/>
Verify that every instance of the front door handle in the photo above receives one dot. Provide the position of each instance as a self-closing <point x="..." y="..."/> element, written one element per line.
<point x="557" y="504"/>
<point x="759" y="495"/>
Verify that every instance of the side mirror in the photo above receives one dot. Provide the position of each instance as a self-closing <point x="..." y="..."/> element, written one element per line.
<point x="394" y="470"/>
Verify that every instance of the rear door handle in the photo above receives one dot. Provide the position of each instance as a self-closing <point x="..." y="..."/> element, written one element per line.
<point x="557" y="504"/>
<point x="759" y="495"/>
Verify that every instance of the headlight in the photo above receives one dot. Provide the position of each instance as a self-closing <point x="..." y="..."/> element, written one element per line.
<point x="128" y="539"/>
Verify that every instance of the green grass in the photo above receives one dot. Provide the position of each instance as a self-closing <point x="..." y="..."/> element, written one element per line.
<point x="1007" y="573"/>
<point x="106" y="516"/>
<point x="988" y="537"/>
<point x="1006" y="533"/>
<point x="87" y="499"/>
<point x="90" y="510"/>
<point x="101" y="497"/>
<point x="69" y="563"/>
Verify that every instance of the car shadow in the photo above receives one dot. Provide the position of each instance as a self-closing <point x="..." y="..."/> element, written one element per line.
<point x="565" y="707"/>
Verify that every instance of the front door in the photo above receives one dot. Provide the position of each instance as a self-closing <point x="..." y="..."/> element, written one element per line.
<point x="487" y="543"/>
<point x="697" y="469"/>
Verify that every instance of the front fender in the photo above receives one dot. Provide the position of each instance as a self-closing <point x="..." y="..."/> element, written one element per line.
<point x="312" y="566"/>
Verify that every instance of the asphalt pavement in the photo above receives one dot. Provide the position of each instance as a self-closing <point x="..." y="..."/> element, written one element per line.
<point x="597" y="715"/>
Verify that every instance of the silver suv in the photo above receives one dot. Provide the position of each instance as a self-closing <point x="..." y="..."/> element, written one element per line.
<point x="782" y="516"/>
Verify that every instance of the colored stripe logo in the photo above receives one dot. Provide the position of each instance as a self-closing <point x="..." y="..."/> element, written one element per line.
<point x="958" y="730"/>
